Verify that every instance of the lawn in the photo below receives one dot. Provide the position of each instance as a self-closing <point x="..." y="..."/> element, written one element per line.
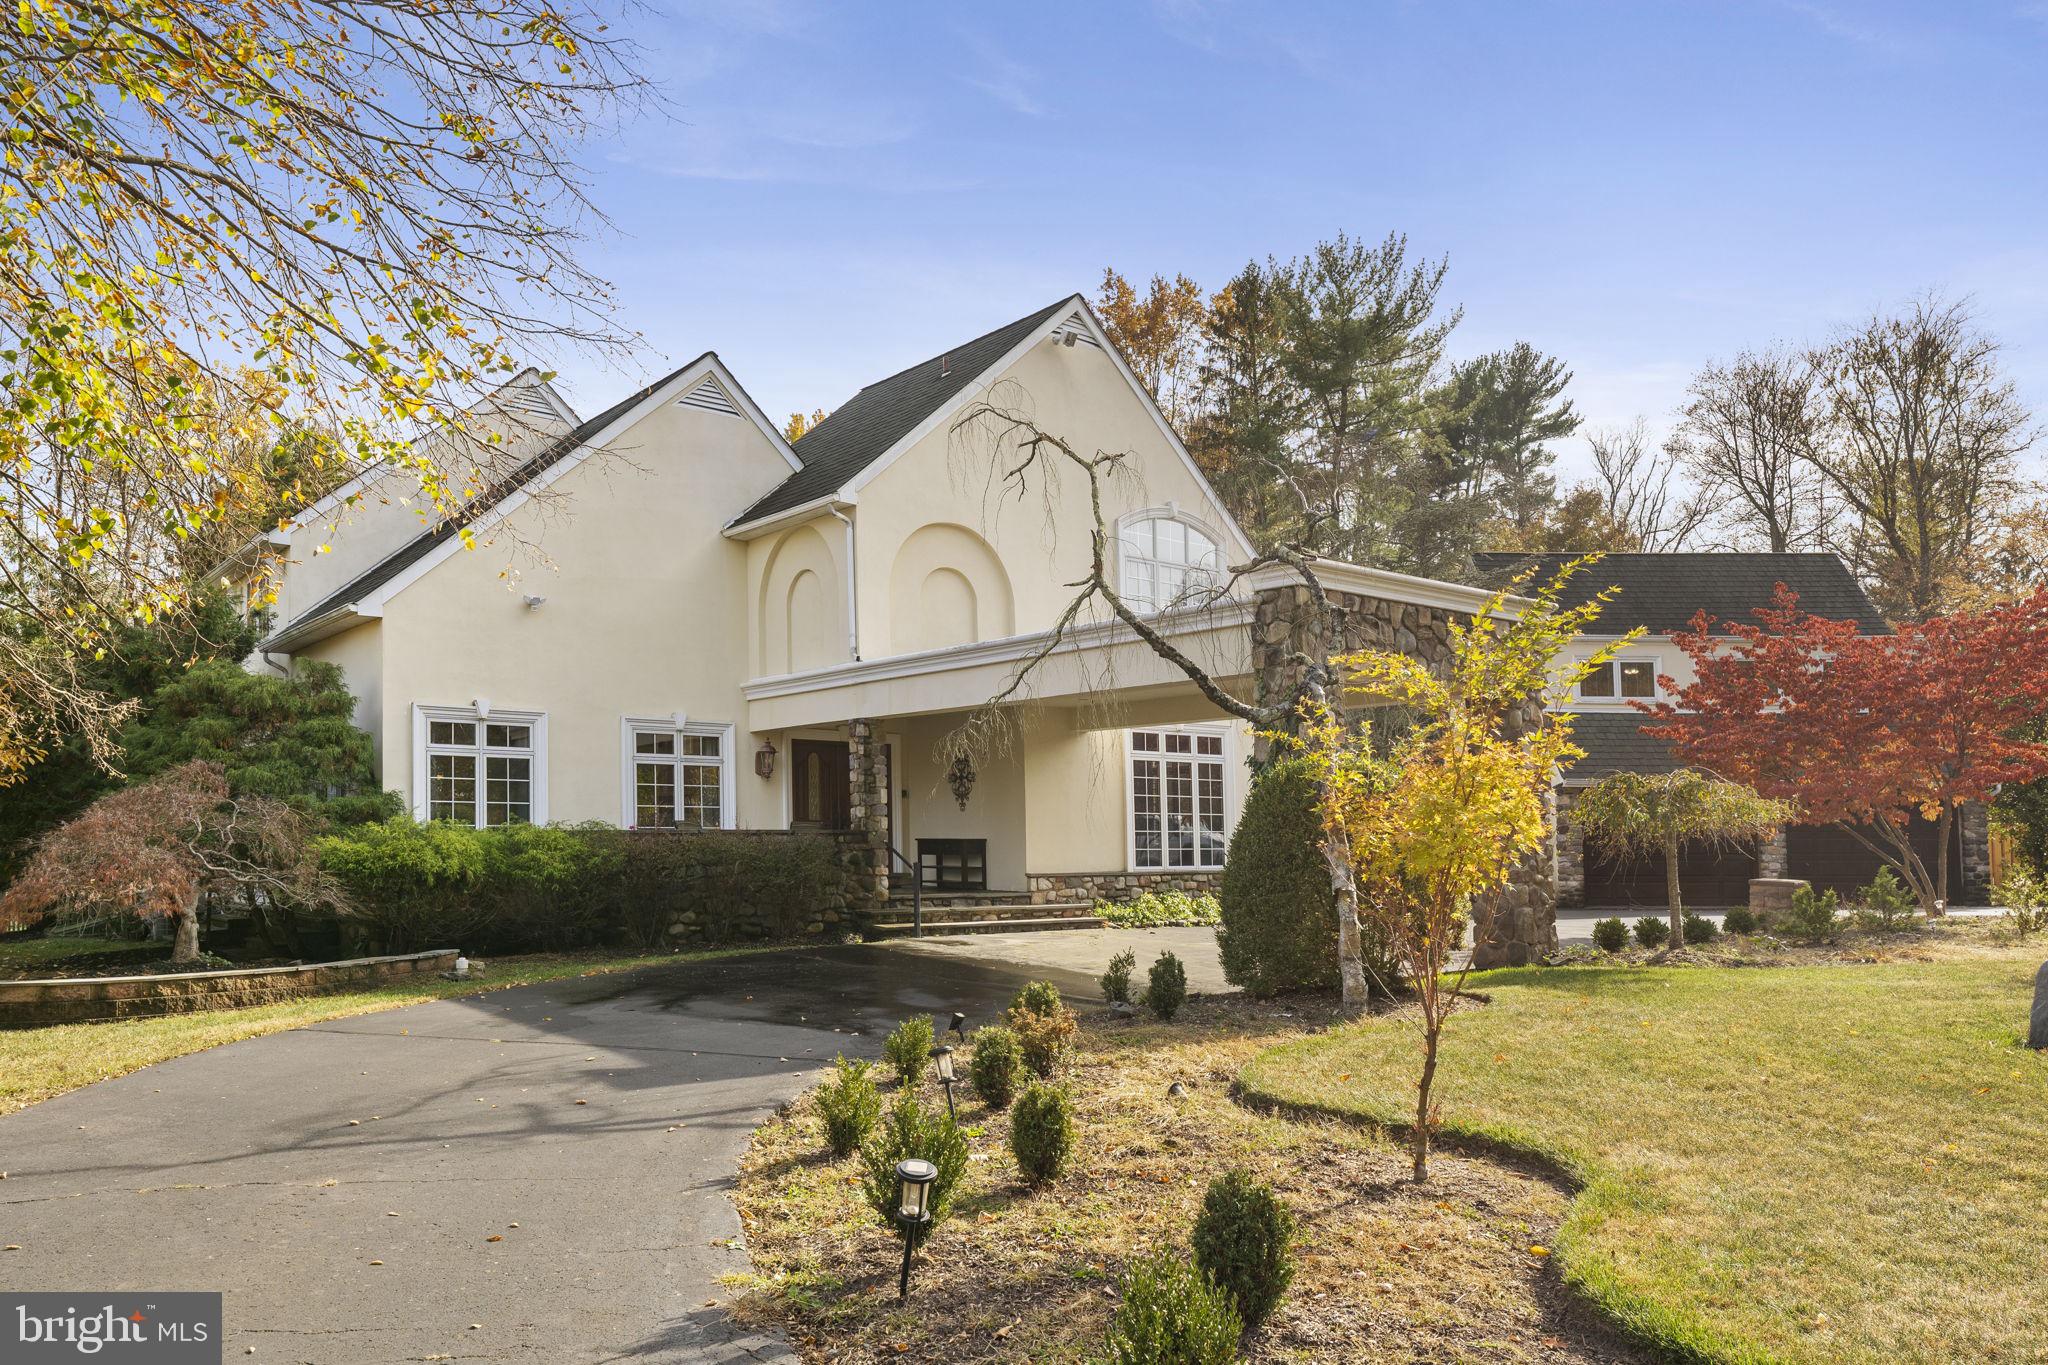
<point x="1798" y="1163"/>
<point x="33" y="956"/>
<point x="1386" y="1273"/>
<point x="38" y="1063"/>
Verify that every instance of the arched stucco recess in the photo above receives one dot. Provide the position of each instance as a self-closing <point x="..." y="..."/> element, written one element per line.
<point x="951" y="547"/>
<point x="801" y="550"/>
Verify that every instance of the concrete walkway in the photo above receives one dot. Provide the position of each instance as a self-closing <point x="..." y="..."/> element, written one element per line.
<point x="538" y="1174"/>
<point x="1084" y="952"/>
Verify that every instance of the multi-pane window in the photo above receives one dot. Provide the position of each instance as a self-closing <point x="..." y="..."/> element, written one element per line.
<point x="1176" y="799"/>
<point x="1627" y="678"/>
<point x="678" y="778"/>
<point x="1166" y="561"/>
<point x="480" y="772"/>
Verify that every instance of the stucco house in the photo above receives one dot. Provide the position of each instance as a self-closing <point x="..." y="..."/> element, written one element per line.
<point x="731" y="631"/>
<point x="1660" y="595"/>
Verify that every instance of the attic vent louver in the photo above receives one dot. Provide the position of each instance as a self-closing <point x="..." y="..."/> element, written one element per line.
<point x="528" y="400"/>
<point x="711" y="397"/>
<point x="1076" y="327"/>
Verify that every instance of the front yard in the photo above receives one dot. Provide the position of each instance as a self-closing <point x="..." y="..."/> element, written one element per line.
<point x="1798" y="1163"/>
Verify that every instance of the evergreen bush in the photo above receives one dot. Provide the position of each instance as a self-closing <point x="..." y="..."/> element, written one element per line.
<point x="1244" y="1244"/>
<point x="1811" y="917"/>
<point x="1885" y="905"/>
<point x="1699" y="929"/>
<point x="909" y="1048"/>
<point x="1171" y="1314"/>
<point x="1610" y="935"/>
<point x="1116" y="981"/>
<point x="850" y="1104"/>
<point x="1167" y="989"/>
<point x="1279" y="929"/>
<point x="1042" y="1132"/>
<point x="996" y="1069"/>
<point x="1740" y="920"/>
<point x="1044" y="1026"/>
<point x="1651" y="931"/>
<point x="908" y="1131"/>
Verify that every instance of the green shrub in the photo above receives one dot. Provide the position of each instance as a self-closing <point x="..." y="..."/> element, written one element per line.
<point x="1652" y="932"/>
<point x="2025" y="898"/>
<point x="1116" y="982"/>
<point x="997" y="1067"/>
<point x="725" y="886"/>
<point x="850" y="1104"/>
<point x="1279" y="928"/>
<point x="1167" y="989"/>
<point x="1610" y="935"/>
<point x="909" y="1048"/>
<point x="907" y="1132"/>
<point x="1885" y="904"/>
<point x="1740" y="920"/>
<point x="1158" y="909"/>
<point x="1243" y="1243"/>
<point x="1042" y="1132"/>
<point x="1172" y="1315"/>
<point x="1699" y="929"/>
<point x="1044" y="1026"/>
<point x="414" y="886"/>
<point x="1811" y="916"/>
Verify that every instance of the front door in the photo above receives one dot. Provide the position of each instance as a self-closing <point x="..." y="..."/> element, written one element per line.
<point x="821" y="788"/>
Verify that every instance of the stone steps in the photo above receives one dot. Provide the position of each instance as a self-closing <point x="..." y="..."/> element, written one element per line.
<point x="892" y="928"/>
<point x="1006" y="910"/>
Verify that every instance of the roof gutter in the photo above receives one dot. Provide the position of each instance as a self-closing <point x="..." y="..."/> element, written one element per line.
<point x="795" y="516"/>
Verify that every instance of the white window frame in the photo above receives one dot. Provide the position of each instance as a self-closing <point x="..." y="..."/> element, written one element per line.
<point x="724" y="732"/>
<point x="1170" y="512"/>
<point x="535" y="721"/>
<point x="1616" y="698"/>
<point x="1223" y="759"/>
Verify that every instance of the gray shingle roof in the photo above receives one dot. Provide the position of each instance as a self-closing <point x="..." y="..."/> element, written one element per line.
<point x="859" y="430"/>
<point x="420" y="546"/>
<point x="1615" y="743"/>
<point x="1660" y="592"/>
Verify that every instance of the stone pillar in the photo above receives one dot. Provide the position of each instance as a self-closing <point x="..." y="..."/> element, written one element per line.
<point x="1973" y="878"/>
<point x="1520" y="923"/>
<point x="1773" y="857"/>
<point x="869" y="808"/>
<point x="1571" y="852"/>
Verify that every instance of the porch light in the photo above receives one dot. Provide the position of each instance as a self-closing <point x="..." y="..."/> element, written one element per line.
<point x="764" y="759"/>
<point x="942" y="1058"/>
<point x="914" y="1181"/>
<point x="960" y="777"/>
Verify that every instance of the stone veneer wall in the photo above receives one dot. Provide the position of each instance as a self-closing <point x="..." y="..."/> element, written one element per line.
<point x="84" y="999"/>
<point x="1973" y="881"/>
<point x="1519" y="923"/>
<point x="869" y="811"/>
<point x="1056" y="888"/>
<point x="1571" y="853"/>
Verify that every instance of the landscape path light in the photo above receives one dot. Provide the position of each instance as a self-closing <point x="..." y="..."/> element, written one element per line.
<point x="959" y="1026"/>
<point x="942" y="1058"/>
<point x="914" y="1181"/>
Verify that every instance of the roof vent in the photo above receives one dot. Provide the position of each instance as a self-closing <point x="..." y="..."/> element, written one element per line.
<point x="711" y="397"/>
<point x="945" y="365"/>
<point x="1074" y="329"/>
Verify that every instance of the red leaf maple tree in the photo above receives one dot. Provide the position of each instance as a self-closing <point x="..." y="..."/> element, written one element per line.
<point x="1867" y="730"/>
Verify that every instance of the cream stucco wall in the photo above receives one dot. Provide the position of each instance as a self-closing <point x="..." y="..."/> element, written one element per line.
<point x="1659" y="650"/>
<point x="645" y="612"/>
<point x="359" y="653"/>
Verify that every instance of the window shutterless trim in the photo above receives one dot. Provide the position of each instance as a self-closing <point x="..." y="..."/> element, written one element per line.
<point x="537" y="754"/>
<point x="1195" y="758"/>
<point x="723" y="731"/>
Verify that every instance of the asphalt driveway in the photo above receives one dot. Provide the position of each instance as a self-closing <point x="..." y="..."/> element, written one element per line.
<point x="536" y="1174"/>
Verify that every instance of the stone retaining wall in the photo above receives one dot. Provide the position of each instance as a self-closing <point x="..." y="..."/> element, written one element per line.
<point x="1053" y="888"/>
<point x="86" y="999"/>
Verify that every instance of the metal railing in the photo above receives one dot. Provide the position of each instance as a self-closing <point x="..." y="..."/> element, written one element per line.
<point x="916" y="889"/>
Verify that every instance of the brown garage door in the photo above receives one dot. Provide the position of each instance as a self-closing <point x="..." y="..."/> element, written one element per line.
<point x="1707" y="877"/>
<point x="1831" y="858"/>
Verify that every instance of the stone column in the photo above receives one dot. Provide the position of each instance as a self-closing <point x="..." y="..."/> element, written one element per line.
<point x="1973" y="878"/>
<point x="1773" y="857"/>
<point x="1571" y="852"/>
<point x="868" y="808"/>
<point x="1517" y="925"/>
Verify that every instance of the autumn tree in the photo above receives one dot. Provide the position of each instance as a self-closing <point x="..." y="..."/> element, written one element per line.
<point x="1160" y="335"/>
<point x="1868" y="731"/>
<point x="1443" y="816"/>
<point x="1637" y="815"/>
<point x="1643" y="491"/>
<point x="156" y="850"/>
<point x="798" y="424"/>
<point x="1747" y="436"/>
<point x="369" y="203"/>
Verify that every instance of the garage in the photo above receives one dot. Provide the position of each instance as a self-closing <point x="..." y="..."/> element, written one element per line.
<point x="1833" y="859"/>
<point x="1708" y="878"/>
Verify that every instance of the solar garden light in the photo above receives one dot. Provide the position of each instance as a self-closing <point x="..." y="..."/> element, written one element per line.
<point x="942" y="1057"/>
<point x="914" y="1181"/>
<point x="959" y="1026"/>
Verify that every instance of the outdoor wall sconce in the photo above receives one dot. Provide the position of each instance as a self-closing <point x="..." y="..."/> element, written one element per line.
<point x="764" y="759"/>
<point x="942" y="1058"/>
<point x="960" y="777"/>
<point x="914" y="1180"/>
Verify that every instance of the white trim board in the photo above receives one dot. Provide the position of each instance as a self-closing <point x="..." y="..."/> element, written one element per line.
<point x="537" y="787"/>
<point x="727" y="733"/>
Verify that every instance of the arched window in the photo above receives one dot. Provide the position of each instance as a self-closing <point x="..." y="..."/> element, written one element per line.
<point x="1166" y="559"/>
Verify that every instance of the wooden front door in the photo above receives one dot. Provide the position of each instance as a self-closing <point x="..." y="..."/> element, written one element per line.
<point x="821" y="788"/>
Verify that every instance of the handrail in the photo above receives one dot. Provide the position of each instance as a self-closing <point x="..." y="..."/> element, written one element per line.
<point x="916" y="890"/>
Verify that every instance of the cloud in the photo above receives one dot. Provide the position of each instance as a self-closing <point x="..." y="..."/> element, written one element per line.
<point x="1008" y="81"/>
<point x="1854" y="30"/>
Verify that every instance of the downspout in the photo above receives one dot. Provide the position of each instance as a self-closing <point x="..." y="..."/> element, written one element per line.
<point x="283" y="670"/>
<point x="852" y="590"/>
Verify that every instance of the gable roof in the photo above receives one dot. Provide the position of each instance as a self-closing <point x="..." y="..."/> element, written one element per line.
<point x="1660" y="592"/>
<point x="866" y="426"/>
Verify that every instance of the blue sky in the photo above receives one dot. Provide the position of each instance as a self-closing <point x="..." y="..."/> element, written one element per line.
<point x="843" y="189"/>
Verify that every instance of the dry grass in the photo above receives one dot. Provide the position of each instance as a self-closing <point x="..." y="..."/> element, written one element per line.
<point x="1386" y="1272"/>
<point x="38" y="1063"/>
<point x="1815" y="1163"/>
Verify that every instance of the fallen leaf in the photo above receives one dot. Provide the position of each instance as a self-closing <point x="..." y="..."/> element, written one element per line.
<point x="11" y="1246"/>
<point x="1002" y="1332"/>
<point x="583" y="1101"/>
<point x="355" y="1123"/>
<point x="376" y="1263"/>
<point x="1539" y="1251"/>
<point x="495" y="1237"/>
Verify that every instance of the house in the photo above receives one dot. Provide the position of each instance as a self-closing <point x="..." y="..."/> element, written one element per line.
<point x="733" y="632"/>
<point x="1660" y="594"/>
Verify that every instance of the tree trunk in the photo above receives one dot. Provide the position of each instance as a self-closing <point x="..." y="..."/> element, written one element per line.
<point x="185" y="935"/>
<point x="1943" y="827"/>
<point x="1671" y="891"/>
<point x="1350" y="950"/>
<point x="1431" y="1030"/>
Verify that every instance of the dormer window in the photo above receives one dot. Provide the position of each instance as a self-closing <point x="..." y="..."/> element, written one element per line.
<point x="1628" y="679"/>
<point x="1165" y="560"/>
